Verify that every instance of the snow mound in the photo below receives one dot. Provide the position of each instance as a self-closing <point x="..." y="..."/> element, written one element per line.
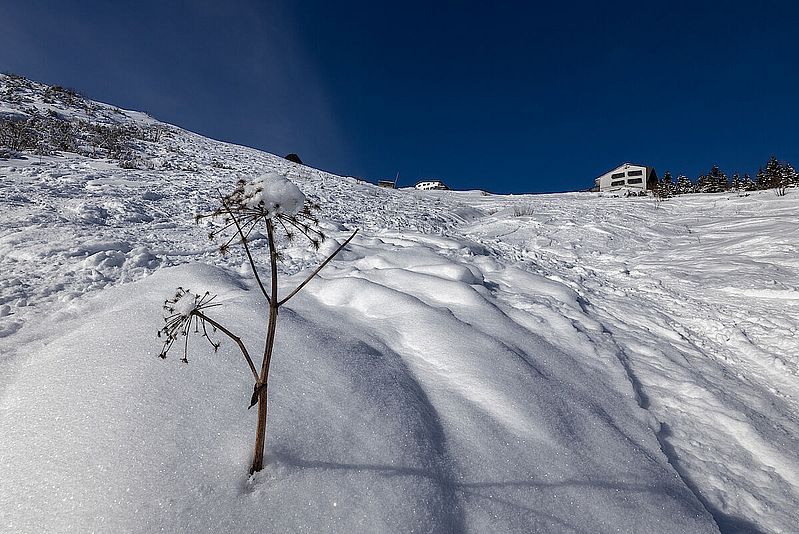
<point x="422" y="426"/>
<point x="185" y="304"/>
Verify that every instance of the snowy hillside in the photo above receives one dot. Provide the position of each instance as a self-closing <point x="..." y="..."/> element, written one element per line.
<point x="470" y="363"/>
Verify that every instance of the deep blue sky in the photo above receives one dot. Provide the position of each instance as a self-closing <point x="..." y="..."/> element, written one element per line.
<point x="509" y="97"/>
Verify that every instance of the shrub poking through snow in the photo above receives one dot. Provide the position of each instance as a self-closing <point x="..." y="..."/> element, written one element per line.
<point x="523" y="210"/>
<point x="269" y="201"/>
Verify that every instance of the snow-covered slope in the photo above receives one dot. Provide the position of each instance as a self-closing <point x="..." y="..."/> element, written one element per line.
<point x="470" y="363"/>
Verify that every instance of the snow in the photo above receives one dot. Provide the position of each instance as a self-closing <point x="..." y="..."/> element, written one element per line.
<point x="469" y="363"/>
<point x="273" y="194"/>
<point x="185" y="305"/>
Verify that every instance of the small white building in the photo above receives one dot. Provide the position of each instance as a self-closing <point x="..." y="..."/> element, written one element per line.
<point x="428" y="185"/>
<point x="628" y="177"/>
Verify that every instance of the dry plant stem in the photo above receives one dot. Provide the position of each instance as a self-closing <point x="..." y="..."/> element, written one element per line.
<point x="344" y="244"/>
<point x="247" y="250"/>
<point x="273" y="303"/>
<point x="232" y="336"/>
<point x="261" y="385"/>
<point x="262" y="380"/>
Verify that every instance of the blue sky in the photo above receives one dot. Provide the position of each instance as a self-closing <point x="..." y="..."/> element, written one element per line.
<point x="508" y="97"/>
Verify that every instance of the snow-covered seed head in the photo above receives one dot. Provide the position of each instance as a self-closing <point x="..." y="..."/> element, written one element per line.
<point x="273" y="194"/>
<point x="268" y="197"/>
<point x="182" y="311"/>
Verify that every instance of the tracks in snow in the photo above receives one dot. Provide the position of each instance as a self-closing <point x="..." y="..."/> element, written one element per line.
<point x="724" y="404"/>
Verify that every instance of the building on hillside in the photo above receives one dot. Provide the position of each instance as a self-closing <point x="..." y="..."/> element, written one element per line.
<point x="629" y="178"/>
<point x="429" y="185"/>
<point x="391" y="184"/>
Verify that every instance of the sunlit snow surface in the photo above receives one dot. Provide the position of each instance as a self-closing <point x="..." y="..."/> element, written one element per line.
<point x="597" y="365"/>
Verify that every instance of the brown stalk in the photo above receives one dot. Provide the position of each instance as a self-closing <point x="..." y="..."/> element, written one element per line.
<point x="246" y="249"/>
<point x="321" y="266"/>
<point x="232" y="336"/>
<point x="261" y="384"/>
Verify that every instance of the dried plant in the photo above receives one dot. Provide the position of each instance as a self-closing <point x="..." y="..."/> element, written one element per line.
<point x="270" y="201"/>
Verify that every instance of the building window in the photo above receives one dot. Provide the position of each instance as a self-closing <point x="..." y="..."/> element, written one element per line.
<point x="635" y="181"/>
<point x="617" y="182"/>
<point x="635" y="173"/>
<point x="617" y="175"/>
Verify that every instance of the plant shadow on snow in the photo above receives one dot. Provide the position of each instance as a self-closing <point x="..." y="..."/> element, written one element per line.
<point x="727" y="523"/>
<point x="383" y="370"/>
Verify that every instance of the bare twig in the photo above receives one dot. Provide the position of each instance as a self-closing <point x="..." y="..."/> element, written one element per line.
<point x="232" y="336"/>
<point x="316" y="271"/>
<point x="246" y="248"/>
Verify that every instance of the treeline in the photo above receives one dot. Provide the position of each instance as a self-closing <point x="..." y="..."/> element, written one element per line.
<point x="775" y="175"/>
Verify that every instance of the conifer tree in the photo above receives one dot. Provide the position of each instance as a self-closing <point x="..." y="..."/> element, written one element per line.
<point x="737" y="184"/>
<point x="788" y="176"/>
<point x="684" y="185"/>
<point x="702" y="184"/>
<point x="718" y="180"/>
<point x="713" y="182"/>
<point x="785" y="178"/>
<point x="772" y="173"/>
<point x="747" y="183"/>
<point x="760" y="179"/>
<point x="667" y="185"/>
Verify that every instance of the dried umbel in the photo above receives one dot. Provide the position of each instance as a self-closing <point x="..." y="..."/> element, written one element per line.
<point x="270" y="197"/>
<point x="182" y="312"/>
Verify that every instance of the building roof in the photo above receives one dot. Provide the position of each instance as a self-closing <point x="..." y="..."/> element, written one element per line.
<point x="647" y="167"/>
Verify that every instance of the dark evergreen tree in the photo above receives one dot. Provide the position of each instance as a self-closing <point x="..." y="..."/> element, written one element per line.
<point x="760" y="179"/>
<point x="737" y="184"/>
<point x="713" y="182"/>
<point x="771" y="174"/>
<point x="747" y="183"/>
<point x="666" y="187"/>
<point x="787" y="175"/>
<point x="684" y="185"/>
<point x="702" y="184"/>
<point x="718" y="179"/>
